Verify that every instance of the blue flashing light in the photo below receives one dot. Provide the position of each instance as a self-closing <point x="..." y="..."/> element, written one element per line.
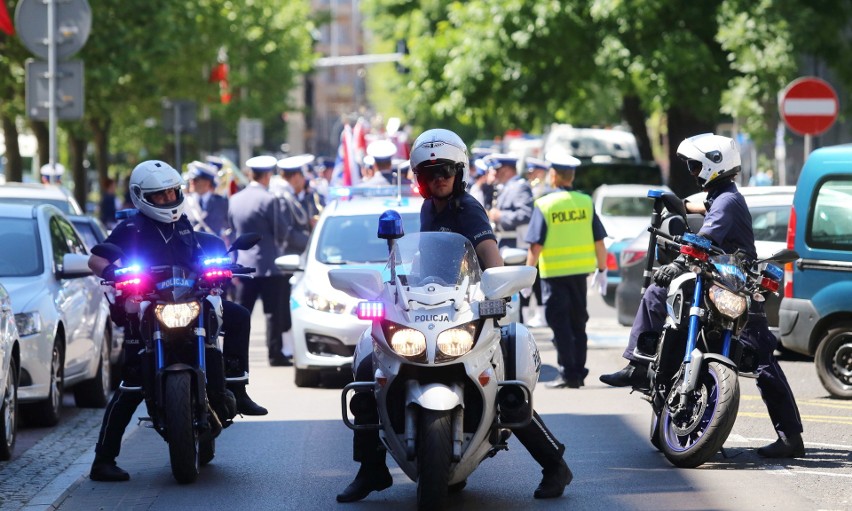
<point x="773" y="272"/>
<point x="390" y="225"/>
<point x="655" y="194"/>
<point x="124" y="214"/>
<point x="695" y="239"/>
<point x="128" y="270"/>
<point x="337" y="192"/>
<point x="216" y="261"/>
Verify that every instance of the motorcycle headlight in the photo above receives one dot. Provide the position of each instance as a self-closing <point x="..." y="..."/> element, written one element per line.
<point x="322" y="304"/>
<point x="455" y="342"/>
<point x="177" y="315"/>
<point x="28" y="323"/>
<point x="407" y="342"/>
<point x="730" y="305"/>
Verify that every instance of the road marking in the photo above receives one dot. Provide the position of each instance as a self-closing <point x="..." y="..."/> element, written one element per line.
<point x="810" y="402"/>
<point x="745" y="440"/>
<point x="825" y="419"/>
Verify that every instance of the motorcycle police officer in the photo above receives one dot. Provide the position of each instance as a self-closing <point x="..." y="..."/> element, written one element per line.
<point x="713" y="161"/>
<point x="160" y="234"/>
<point x="439" y="160"/>
<point x="566" y="241"/>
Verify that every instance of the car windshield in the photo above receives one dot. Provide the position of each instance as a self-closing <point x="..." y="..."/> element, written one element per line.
<point x="20" y="252"/>
<point x="442" y="258"/>
<point x="62" y="205"/>
<point x="626" y="206"/>
<point x="352" y="239"/>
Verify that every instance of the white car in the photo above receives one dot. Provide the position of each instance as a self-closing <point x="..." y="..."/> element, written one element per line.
<point x="37" y="193"/>
<point x="624" y="210"/>
<point x="10" y="361"/>
<point x="325" y="328"/>
<point x="60" y="311"/>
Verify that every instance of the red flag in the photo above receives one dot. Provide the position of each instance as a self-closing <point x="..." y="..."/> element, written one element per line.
<point x="6" y="24"/>
<point x="219" y="73"/>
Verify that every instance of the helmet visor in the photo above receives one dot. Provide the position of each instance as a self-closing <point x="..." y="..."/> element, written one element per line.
<point x="168" y="198"/>
<point x="694" y="166"/>
<point x="438" y="170"/>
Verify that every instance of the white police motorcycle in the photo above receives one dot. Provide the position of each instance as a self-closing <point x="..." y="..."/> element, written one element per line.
<point x="449" y="381"/>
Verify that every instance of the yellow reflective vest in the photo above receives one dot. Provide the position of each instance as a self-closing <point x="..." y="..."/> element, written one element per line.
<point x="569" y="248"/>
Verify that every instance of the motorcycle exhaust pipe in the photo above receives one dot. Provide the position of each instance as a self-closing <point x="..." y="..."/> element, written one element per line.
<point x="512" y="403"/>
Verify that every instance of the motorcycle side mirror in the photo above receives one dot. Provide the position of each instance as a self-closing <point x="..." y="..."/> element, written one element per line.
<point x="513" y="256"/>
<point x="390" y="226"/>
<point x="362" y="283"/>
<point x="783" y="256"/>
<point x="673" y="203"/>
<point x="246" y="241"/>
<point x="504" y="281"/>
<point x="108" y="251"/>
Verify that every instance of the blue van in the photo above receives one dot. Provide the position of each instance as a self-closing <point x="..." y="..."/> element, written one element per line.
<point x="816" y="312"/>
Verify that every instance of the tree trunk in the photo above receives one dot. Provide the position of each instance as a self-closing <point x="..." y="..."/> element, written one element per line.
<point x="77" y="153"/>
<point x="100" y="129"/>
<point x="42" y="135"/>
<point x="634" y="114"/>
<point x="682" y="124"/>
<point x="14" y="162"/>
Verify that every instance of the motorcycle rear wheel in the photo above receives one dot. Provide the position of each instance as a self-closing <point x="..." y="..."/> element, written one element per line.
<point x="434" y="458"/>
<point x="180" y="433"/>
<point x="697" y="434"/>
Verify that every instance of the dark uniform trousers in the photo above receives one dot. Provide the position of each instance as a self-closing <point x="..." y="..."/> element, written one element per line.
<point x="771" y="382"/>
<point x="119" y="411"/>
<point x="566" y="314"/>
<point x="274" y="290"/>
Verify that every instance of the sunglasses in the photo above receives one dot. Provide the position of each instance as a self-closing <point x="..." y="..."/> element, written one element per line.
<point x="440" y="170"/>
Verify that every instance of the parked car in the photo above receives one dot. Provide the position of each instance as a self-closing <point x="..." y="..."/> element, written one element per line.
<point x="93" y="232"/>
<point x="37" y="193"/>
<point x="10" y="362"/>
<point x="816" y="312"/>
<point x="60" y="311"/>
<point x="770" y="212"/>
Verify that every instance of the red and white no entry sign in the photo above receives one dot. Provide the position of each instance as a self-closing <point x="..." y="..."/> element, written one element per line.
<point x="809" y="106"/>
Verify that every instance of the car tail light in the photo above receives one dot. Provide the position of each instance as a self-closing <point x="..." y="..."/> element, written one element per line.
<point x="631" y="257"/>
<point x="791" y="244"/>
<point x="611" y="263"/>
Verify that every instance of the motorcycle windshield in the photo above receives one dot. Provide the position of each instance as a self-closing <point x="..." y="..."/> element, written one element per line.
<point x="442" y="258"/>
<point x="175" y="283"/>
<point x="728" y="272"/>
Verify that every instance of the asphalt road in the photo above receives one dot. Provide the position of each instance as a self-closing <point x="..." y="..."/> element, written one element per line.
<point x="299" y="456"/>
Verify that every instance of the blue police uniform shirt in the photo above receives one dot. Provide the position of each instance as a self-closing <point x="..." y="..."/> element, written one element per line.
<point x="150" y="243"/>
<point x="537" y="231"/>
<point x="463" y="215"/>
<point x="728" y="221"/>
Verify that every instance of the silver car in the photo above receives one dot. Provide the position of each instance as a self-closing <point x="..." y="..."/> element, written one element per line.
<point x="10" y="362"/>
<point x="60" y="311"/>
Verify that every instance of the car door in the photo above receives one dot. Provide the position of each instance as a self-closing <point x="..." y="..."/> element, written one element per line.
<point x="74" y="299"/>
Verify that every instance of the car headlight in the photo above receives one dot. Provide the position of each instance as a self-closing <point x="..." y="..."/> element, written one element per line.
<point x="455" y="342"/>
<point x="730" y="305"/>
<point x="28" y="323"/>
<point x="322" y="304"/>
<point x="177" y="315"/>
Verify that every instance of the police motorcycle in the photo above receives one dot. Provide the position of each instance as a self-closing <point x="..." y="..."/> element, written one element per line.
<point x="693" y="366"/>
<point x="176" y="312"/>
<point x="449" y="381"/>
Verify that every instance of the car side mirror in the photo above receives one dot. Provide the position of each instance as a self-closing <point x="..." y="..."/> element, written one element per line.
<point x="74" y="266"/>
<point x="290" y="263"/>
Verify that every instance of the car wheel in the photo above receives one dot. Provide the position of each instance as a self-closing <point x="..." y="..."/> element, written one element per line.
<point x="94" y="393"/>
<point x="307" y="378"/>
<point x="9" y="413"/>
<point x="47" y="412"/>
<point x="834" y="361"/>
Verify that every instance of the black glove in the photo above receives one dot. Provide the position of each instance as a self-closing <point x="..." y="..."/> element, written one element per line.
<point x="109" y="272"/>
<point x="665" y="273"/>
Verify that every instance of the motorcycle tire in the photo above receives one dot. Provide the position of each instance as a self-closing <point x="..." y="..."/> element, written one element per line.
<point x="655" y="430"/>
<point x="434" y="458"/>
<point x="689" y="441"/>
<point x="181" y="435"/>
<point x="833" y="361"/>
<point x="206" y="451"/>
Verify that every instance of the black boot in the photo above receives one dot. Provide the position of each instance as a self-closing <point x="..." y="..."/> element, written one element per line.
<point x="105" y="469"/>
<point x="245" y="405"/>
<point x="371" y="477"/>
<point x="634" y="375"/>
<point x="785" y="447"/>
<point x="547" y="451"/>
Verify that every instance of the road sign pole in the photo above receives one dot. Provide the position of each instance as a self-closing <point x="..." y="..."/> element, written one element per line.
<point x="177" y="128"/>
<point x="51" y="85"/>
<point x="808" y="143"/>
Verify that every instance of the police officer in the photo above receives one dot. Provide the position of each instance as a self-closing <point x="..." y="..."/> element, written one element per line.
<point x="439" y="159"/>
<point x="536" y="170"/>
<point x="714" y="161"/>
<point x="566" y="241"/>
<point x="208" y="211"/>
<point x="256" y="209"/>
<point x="52" y="174"/>
<point x="512" y="207"/>
<point x="304" y="203"/>
<point x="160" y="234"/>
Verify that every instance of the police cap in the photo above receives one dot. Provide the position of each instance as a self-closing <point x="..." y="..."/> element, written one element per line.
<point x="497" y="160"/>
<point x="55" y="170"/>
<point x="201" y="170"/>
<point x="536" y="164"/>
<point x="293" y="164"/>
<point x="382" y="150"/>
<point x="215" y="161"/>
<point x="560" y="160"/>
<point x="263" y="163"/>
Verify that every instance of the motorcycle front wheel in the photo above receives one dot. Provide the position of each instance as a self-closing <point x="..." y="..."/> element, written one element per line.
<point x="434" y="457"/>
<point x="693" y="430"/>
<point x="180" y="433"/>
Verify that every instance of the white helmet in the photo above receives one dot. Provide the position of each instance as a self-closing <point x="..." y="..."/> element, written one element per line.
<point x="439" y="150"/>
<point x="713" y="157"/>
<point x="155" y="176"/>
